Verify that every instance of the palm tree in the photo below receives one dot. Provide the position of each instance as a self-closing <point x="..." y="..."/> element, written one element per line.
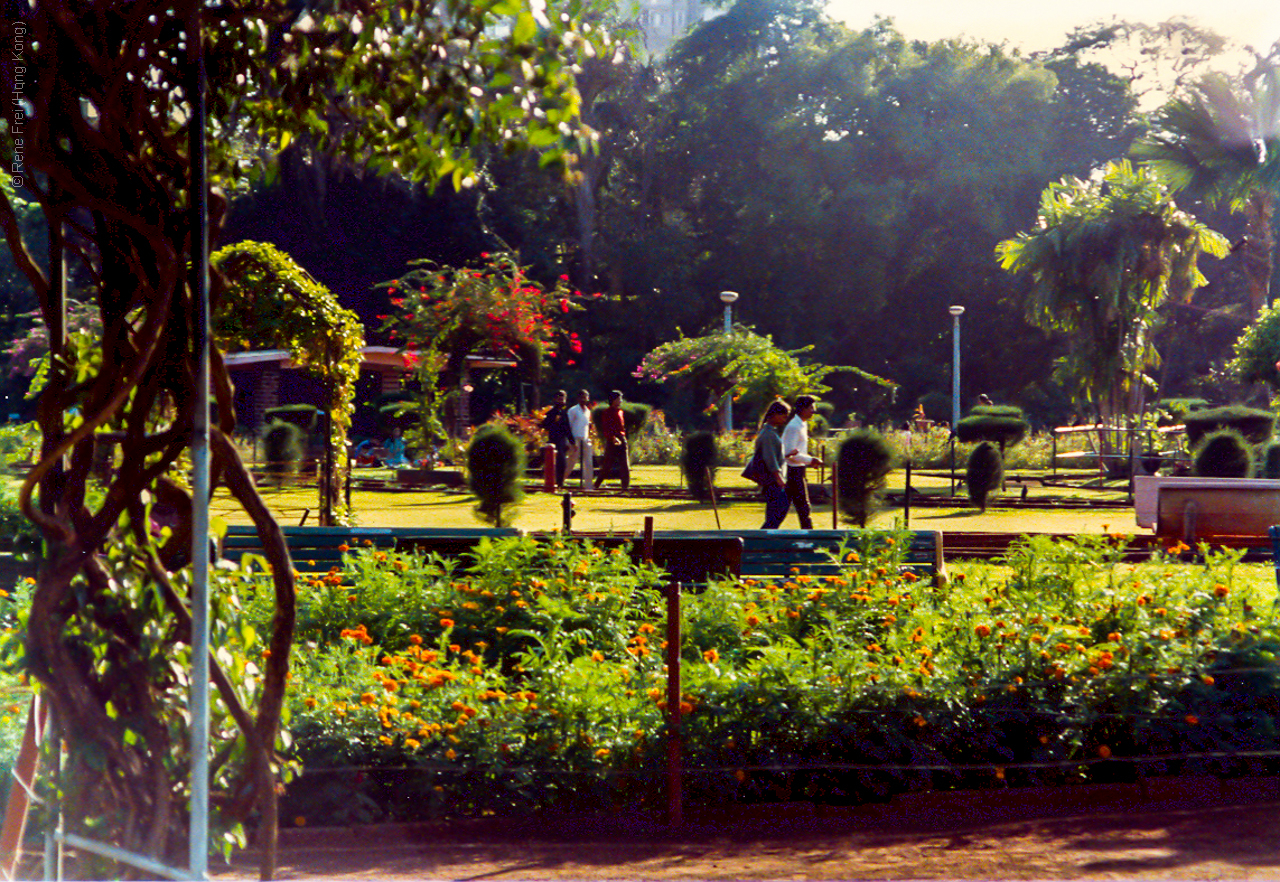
<point x="1104" y="256"/>
<point x="1221" y="142"/>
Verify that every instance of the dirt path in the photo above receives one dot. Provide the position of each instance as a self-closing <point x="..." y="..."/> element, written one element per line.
<point x="1191" y="828"/>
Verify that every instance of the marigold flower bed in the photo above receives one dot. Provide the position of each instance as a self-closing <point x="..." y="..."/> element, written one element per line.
<point x="536" y="679"/>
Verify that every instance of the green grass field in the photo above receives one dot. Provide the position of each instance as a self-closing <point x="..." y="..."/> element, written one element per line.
<point x="542" y="511"/>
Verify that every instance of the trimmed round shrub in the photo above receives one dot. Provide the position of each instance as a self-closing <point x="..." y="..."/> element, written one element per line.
<point x="282" y="448"/>
<point x="1223" y="454"/>
<point x="1001" y="424"/>
<point x="863" y="461"/>
<point x="1270" y="465"/>
<point x="1255" y="425"/>
<point x="698" y="461"/>
<point x="983" y="473"/>
<point x="495" y="469"/>
<point x="634" y="416"/>
<point x="1172" y="411"/>
<point x="304" y="416"/>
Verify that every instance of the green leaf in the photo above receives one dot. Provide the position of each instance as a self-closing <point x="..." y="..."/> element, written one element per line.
<point x="525" y="28"/>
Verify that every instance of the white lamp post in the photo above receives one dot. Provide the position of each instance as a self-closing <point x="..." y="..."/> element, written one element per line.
<point x="727" y="298"/>
<point x="956" y="311"/>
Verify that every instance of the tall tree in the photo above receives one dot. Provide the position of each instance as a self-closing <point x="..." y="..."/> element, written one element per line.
<point x="1103" y="257"/>
<point x="99" y="136"/>
<point x="1222" y="143"/>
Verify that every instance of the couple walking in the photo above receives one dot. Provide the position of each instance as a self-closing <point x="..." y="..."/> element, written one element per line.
<point x="783" y="475"/>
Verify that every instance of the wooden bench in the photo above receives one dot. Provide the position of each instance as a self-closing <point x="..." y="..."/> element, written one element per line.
<point x="319" y="549"/>
<point x="782" y="553"/>
<point x="691" y="559"/>
<point x="779" y="553"/>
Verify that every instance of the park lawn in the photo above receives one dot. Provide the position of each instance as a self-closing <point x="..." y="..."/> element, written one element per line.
<point x="542" y="511"/>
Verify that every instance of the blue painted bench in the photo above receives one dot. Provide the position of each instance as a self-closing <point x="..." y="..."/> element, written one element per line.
<point x="319" y="549"/>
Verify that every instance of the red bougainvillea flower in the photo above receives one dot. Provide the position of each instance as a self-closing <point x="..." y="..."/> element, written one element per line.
<point x="564" y="304"/>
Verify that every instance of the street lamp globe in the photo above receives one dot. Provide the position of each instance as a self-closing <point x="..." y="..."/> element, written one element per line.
<point x="727" y="297"/>
<point x="956" y="310"/>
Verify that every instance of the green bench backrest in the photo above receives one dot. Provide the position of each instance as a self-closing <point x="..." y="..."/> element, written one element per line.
<point x="778" y="552"/>
<point x="318" y="549"/>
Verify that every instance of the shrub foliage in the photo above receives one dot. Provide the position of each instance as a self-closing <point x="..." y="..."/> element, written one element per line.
<point x="495" y="469"/>
<point x="984" y="473"/>
<point x="699" y="457"/>
<point x="863" y="461"/>
<point x="1223" y="454"/>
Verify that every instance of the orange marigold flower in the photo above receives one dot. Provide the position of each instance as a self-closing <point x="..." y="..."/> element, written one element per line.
<point x="451" y="754"/>
<point x="1191" y="719"/>
<point x="597" y="656"/>
<point x="982" y="631"/>
<point x="1104" y="751"/>
<point x="415" y="639"/>
<point x="446" y="623"/>
<point x="344" y="548"/>
<point x="1221" y="590"/>
<point x="711" y="655"/>
<point x="368" y="698"/>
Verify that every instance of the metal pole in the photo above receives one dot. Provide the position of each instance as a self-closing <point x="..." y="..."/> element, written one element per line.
<point x="728" y="398"/>
<point x="199" y="832"/>
<point x="956" y="312"/>
<point x="674" y="801"/>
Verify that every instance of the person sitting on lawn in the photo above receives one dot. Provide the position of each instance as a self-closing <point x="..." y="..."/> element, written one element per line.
<point x="394" y="450"/>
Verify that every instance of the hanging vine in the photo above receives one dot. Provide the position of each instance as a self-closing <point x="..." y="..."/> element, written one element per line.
<point x="268" y="301"/>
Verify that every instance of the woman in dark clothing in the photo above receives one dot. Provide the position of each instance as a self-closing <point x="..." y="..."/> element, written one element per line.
<point x="769" y="451"/>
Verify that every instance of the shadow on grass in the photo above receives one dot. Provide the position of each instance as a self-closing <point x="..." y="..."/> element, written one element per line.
<point x="966" y="513"/>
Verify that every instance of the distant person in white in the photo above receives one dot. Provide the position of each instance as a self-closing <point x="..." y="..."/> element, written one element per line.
<point x="795" y="441"/>
<point x="579" y="426"/>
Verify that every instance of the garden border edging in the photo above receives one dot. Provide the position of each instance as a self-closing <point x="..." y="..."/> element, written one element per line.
<point x="928" y="811"/>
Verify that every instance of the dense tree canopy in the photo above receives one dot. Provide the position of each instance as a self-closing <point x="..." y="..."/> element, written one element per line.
<point x="99" y="139"/>
<point x="1104" y="256"/>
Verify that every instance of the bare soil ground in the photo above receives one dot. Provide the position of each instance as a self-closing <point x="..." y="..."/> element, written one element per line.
<point x="1181" y="828"/>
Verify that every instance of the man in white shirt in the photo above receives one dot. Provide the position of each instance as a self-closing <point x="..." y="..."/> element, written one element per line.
<point x="579" y="425"/>
<point x="795" y="443"/>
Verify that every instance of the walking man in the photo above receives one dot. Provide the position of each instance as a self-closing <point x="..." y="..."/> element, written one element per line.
<point x="613" y="436"/>
<point x="559" y="433"/>
<point x="795" y="441"/>
<point x="579" y="427"/>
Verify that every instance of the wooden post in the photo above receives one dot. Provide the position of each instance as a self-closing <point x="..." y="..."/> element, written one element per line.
<point x="835" y="496"/>
<point x="647" y="550"/>
<point x="674" y="796"/>
<point x="906" y="499"/>
<point x="24" y="776"/>
<point x="714" y="507"/>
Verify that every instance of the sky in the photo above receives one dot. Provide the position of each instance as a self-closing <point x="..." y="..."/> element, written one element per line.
<point x="1034" y="25"/>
